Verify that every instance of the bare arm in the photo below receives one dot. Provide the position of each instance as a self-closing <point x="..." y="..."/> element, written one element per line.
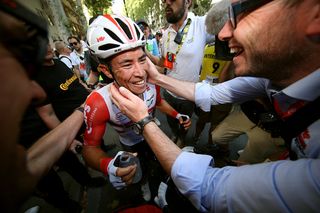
<point x="166" y="108"/>
<point x="165" y="150"/>
<point x="181" y="88"/>
<point x="48" y="116"/>
<point x="47" y="150"/>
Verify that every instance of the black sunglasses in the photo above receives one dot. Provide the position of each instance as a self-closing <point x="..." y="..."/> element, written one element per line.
<point x="242" y="6"/>
<point x="31" y="48"/>
<point x="73" y="43"/>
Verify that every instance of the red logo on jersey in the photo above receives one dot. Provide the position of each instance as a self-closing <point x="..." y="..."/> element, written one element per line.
<point x="101" y="38"/>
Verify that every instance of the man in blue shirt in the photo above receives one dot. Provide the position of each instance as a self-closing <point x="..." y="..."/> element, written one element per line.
<point x="278" y="44"/>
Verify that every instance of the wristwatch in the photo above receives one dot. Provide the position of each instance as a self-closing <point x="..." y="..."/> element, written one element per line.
<point x="138" y="126"/>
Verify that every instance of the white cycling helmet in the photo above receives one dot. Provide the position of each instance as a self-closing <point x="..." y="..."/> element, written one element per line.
<point x="108" y="35"/>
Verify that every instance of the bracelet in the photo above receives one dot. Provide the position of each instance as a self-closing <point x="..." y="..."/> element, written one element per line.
<point x="80" y="109"/>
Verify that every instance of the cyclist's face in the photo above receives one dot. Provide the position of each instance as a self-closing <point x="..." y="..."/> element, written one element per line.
<point x="129" y="70"/>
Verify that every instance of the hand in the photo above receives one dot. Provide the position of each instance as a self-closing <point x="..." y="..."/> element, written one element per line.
<point x="73" y="146"/>
<point x="120" y="177"/>
<point x="128" y="103"/>
<point x="184" y="120"/>
<point x="153" y="73"/>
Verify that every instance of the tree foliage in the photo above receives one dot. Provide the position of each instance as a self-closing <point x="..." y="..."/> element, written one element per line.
<point x="97" y="7"/>
<point x="200" y="7"/>
<point x="153" y="10"/>
<point x="149" y="10"/>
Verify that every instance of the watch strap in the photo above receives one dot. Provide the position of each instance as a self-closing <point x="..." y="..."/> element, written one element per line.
<point x="145" y="121"/>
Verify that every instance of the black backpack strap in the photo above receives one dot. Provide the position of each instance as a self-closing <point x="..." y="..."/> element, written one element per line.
<point x="299" y="122"/>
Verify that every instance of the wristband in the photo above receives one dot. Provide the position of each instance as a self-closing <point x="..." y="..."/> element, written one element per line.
<point x="174" y="114"/>
<point x="104" y="162"/>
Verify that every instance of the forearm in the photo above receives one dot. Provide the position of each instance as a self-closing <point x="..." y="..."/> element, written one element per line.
<point x="165" y="150"/>
<point x="48" y="116"/>
<point x="180" y="88"/>
<point x="47" y="150"/>
<point x="93" y="156"/>
<point x="167" y="109"/>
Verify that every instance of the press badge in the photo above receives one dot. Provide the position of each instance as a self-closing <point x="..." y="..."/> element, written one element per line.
<point x="169" y="60"/>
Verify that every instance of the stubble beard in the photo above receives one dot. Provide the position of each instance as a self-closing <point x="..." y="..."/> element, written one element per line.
<point x="277" y="59"/>
<point x="175" y="17"/>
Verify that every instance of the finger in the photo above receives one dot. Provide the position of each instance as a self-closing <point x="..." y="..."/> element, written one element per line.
<point x="115" y="96"/>
<point x="129" y="177"/>
<point x="127" y="94"/>
<point x="121" y="172"/>
<point x="187" y="124"/>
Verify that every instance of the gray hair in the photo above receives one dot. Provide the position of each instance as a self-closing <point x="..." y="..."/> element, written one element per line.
<point x="217" y="16"/>
<point x="59" y="46"/>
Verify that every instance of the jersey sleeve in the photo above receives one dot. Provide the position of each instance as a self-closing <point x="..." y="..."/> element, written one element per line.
<point x="96" y="115"/>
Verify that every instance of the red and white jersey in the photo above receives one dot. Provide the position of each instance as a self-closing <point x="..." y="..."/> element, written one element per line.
<point x="100" y="110"/>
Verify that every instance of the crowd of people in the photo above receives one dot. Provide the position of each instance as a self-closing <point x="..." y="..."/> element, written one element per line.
<point x="245" y="67"/>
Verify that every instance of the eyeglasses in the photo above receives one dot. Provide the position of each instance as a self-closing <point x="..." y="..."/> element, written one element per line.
<point x="243" y="6"/>
<point x="73" y="43"/>
<point x="29" y="49"/>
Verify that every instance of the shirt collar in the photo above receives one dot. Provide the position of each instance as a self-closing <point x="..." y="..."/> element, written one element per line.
<point x="307" y="88"/>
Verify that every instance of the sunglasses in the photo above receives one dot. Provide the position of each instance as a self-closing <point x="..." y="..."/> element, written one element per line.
<point x="243" y="6"/>
<point x="31" y="48"/>
<point x="73" y="43"/>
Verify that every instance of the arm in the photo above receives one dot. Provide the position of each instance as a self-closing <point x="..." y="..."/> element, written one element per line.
<point x="181" y="88"/>
<point x="166" y="108"/>
<point x="48" y="116"/>
<point x="277" y="183"/>
<point x="165" y="150"/>
<point x="96" y="115"/>
<point x="212" y="189"/>
<point x="47" y="150"/>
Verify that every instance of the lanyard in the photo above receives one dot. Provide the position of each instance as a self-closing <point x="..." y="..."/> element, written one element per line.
<point x="184" y="32"/>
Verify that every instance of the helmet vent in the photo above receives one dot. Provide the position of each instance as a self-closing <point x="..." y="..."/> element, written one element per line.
<point x="137" y="31"/>
<point x="108" y="46"/>
<point x="124" y="27"/>
<point x="112" y="35"/>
